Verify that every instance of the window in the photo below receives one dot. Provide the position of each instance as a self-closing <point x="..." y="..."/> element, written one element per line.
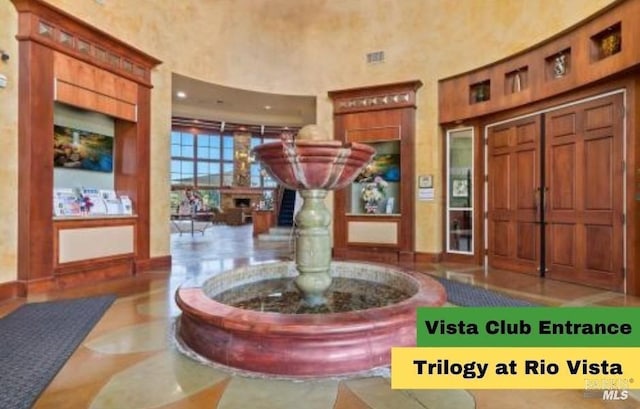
<point x="460" y="191"/>
<point x="205" y="160"/>
<point x="182" y="158"/>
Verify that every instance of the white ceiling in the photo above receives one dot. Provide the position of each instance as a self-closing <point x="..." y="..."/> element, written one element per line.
<point x="215" y="102"/>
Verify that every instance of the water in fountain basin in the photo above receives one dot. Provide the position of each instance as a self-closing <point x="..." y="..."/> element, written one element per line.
<point x="281" y="295"/>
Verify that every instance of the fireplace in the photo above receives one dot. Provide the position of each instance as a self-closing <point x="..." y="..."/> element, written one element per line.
<point x="231" y="197"/>
<point x="242" y="202"/>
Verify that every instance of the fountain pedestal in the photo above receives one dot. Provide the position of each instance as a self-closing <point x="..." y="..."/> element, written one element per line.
<point x="313" y="250"/>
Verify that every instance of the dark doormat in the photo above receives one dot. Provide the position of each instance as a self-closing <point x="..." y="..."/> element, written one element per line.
<point x="37" y="339"/>
<point x="466" y="295"/>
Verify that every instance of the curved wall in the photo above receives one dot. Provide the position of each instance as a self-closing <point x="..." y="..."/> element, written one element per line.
<point x="299" y="47"/>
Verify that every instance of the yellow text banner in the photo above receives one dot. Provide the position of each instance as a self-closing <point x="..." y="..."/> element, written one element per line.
<point x="514" y="368"/>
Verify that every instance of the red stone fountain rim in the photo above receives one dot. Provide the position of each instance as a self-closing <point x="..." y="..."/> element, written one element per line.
<point x="302" y="345"/>
<point x="196" y="301"/>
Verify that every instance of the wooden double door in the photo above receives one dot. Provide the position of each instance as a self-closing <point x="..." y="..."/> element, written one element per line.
<point x="555" y="193"/>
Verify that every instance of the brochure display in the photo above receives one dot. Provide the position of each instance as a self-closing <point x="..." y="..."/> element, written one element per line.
<point x="89" y="202"/>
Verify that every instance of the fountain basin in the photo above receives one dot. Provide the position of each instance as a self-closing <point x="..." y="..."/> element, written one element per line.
<point x="314" y="164"/>
<point x="303" y="345"/>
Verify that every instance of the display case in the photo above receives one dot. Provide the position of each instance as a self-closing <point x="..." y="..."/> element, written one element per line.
<point x="374" y="217"/>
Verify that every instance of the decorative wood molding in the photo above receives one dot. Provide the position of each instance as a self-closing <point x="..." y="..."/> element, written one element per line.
<point x="399" y="95"/>
<point x="56" y="29"/>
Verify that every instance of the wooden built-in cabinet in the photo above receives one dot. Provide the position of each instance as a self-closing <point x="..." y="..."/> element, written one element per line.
<point x="556" y="163"/>
<point x="383" y="117"/>
<point x="64" y="60"/>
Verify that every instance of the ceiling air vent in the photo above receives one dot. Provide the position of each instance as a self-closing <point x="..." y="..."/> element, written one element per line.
<point x="375" y="57"/>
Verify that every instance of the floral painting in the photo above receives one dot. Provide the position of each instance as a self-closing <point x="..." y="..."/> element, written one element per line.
<point x="373" y="193"/>
<point x="77" y="149"/>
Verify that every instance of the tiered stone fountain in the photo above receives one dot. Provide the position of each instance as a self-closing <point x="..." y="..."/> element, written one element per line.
<point x="312" y="318"/>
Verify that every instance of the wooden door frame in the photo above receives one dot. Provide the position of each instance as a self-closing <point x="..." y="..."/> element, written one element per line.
<point x="549" y="107"/>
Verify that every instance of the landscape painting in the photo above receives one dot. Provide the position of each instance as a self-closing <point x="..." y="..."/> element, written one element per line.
<point x="78" y="149"/>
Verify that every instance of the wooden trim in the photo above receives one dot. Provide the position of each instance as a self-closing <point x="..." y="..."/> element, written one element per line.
<point x="11" y="289"/>
<point x="423" y="257"/>
<point x="93" y="265"/>
<point x="632" y="226"/>
<point x="367" y="253"/>
<point x="35" y="164"/>
<point x="153" y="263"/>
<point x="406" y="256"/>
<point x="375" y="98"/>
<point x="40" y="285"/>
<point x="76" y="38"/>
<point x="73" y="274"/>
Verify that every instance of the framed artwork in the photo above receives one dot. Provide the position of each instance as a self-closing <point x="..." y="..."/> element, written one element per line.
<point x="387" y="166"/>
<point x="460" y="188"/>
<point x="78" y="149"/>
<point x="425" y="181"/>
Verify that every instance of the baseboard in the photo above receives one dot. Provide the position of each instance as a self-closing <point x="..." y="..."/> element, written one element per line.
<point x="421" y="257"/>
<point x="11" y="289"/>
<point x="153" y="263"/>
<point x="71" y="277"/>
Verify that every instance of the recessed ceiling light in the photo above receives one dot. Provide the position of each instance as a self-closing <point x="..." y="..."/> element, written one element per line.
<point x="267" y="107"/>
<point x="181" y="94"/>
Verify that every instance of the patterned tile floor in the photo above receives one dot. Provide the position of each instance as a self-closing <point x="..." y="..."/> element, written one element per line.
<point x="130" y="360"/>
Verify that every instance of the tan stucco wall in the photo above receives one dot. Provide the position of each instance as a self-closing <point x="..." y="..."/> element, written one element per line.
<point x="300" y="47"/>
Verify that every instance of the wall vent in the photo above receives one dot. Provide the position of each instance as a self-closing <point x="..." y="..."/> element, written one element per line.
<point x="375" y="57"/>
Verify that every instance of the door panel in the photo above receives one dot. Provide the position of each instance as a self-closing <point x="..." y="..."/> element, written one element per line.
<point x="514" y="171"/>
<point x="584" y="180"/>
<point x="573" y="207"/>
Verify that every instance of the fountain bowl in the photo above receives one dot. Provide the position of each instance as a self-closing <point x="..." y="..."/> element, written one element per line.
<point x="314" y="164"/>
<point x="303" y="345"/>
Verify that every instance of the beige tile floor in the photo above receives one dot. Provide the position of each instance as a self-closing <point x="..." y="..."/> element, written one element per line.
<point x="129" y="360"/>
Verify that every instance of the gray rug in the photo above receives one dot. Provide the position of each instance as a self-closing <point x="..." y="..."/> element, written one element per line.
<point x="35" y="342"/>
<point x="466" y="295"/>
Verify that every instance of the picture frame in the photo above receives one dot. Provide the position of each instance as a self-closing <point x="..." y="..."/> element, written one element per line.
<point x="82" y="150"/>
<point x="460" y="188"/>
<point x="425" y="181"/>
